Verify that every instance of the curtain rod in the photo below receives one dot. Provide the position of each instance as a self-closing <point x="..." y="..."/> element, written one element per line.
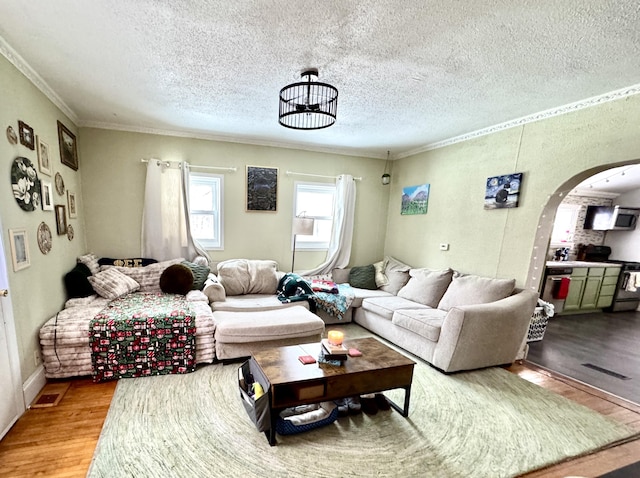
<point x="290" y="173"/>
<point x="192" y="166"/>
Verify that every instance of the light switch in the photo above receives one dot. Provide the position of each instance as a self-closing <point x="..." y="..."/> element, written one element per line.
<point x="444" y="246"/>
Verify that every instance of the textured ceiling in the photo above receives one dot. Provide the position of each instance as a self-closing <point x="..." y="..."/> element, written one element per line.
<point x="410" y="73"/>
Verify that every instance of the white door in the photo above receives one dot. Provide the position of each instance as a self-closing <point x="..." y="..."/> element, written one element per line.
<point x="11" y="396"/>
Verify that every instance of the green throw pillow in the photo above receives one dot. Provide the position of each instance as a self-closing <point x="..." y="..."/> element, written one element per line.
<point x="363" y="277"/>
<point x="200" y="274"/>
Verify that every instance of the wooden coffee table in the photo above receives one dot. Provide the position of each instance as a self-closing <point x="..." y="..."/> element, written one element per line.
<point x="292" y="383"/>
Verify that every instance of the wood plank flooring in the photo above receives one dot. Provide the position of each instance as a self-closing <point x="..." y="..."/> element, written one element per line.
<point x="60" y="441"/>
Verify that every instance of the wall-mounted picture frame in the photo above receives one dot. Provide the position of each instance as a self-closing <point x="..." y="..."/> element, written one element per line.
<point x="26" y="135"/>
<point x="44" y="161"/>
<point x="503" y="191"/>
<point x="61" y="220"/>
<point x="68" y="147"/>
<point x="262" y="189"/>
<point x="71" y="204"/>
<point x="47" y="195"/>
<point x="19" y="249"/>
<point x="415" y="199"/>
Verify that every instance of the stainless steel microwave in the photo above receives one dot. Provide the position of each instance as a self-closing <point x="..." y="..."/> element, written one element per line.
<point x="611" y="218"/>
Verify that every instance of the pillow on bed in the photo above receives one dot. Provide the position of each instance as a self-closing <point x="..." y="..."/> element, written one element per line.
<point x="112" y="284"/>
<point x="133" y="262"/>
<point x="200" y="274"/>
<point x="176" y="279"/>
<point x="91" y="261"/>
<point x="149" y="276"/>
<point x="76" y="282"/>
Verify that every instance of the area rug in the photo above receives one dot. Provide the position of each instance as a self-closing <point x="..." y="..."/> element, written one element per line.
<point x="487" y="423"/>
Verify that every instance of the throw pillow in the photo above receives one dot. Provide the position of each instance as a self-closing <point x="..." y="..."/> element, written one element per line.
<point x="426" y="286"/>
<point x="471" y="290"/>
<point x="200" y="274"/>
<point x="397" y="273"/>
<point x="148" y="276"/>
<point x="176" y="279"/>
<point x="76" y="282"/>
<point x="213" y="289"/>
<point x="133" y="262"/>
<point x="248" y="276"/>
<point x="363" y="277"/>
<point x="340" y="276"/>
<point x="91" y="261"/>
<point x="112" y="284"/>
<point x="381" y="277"/>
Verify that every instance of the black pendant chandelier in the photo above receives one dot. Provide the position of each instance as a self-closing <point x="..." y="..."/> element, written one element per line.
<point x="308" y="104"/>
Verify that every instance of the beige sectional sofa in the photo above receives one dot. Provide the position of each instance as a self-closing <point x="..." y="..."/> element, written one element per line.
<point x="451" y="320"/>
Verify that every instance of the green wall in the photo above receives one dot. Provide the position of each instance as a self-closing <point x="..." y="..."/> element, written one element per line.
<point x="36" y="292"/>
<point x="113" y="180"/>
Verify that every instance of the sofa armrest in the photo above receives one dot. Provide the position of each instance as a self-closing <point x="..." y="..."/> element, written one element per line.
<point x="484" y="335"/>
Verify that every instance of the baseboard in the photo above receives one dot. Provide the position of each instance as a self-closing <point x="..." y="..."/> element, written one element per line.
<point x="32" y="386"/>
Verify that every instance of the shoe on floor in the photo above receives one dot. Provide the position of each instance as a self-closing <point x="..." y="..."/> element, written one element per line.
<point x="343" y="407"/>
<point x="354" y="405"/>
<point x="369" y="405"/>
<point x="382" y="402"/>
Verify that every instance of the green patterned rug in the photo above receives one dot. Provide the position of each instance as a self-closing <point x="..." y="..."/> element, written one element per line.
<point x="487" y="423"/>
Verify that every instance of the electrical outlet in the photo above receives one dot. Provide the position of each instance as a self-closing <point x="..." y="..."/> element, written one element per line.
<point x="444" y="246"/>
<point x="36" y="358"/>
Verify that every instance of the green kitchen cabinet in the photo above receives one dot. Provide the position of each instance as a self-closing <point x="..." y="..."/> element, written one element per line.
<point x="592" y="288"/>
<point x="576" y="288"/>
<point x="608" y="288"/>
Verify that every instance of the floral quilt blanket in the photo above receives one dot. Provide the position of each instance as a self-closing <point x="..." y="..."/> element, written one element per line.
<point x="143" y="334"/>
<point x="335" y="304"/>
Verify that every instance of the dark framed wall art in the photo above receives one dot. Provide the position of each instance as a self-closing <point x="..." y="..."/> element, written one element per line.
<point x="68" y="147"/>
<point x="262" y="189"/>
<point x="502" y="191"/>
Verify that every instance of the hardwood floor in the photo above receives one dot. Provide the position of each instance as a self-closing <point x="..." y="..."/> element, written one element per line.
<point x="60" y="441"/>
<point x="606" y="342"/>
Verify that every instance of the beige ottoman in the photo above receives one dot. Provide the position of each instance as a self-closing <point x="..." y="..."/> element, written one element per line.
<point x="240" y="334"/>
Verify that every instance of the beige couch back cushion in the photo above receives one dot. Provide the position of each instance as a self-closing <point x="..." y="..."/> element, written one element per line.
<point x="426" y="286"/>
<point x="247" y="276"/>
<point x="471" y="289"/>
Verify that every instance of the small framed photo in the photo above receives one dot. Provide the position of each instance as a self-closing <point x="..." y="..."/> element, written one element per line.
<point x="71" y="204"/>
<point x="47" y="195"/>
<point x="262" y="189"/>
<point x="44" y="162"/>
<point x="19" y="249"/>
<point x="61" y="220"/>
<point x="26" y="135"/>
<point x="68" y="148"/>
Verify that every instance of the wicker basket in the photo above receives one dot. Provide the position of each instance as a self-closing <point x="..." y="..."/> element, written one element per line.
<point x="538" y="325"/>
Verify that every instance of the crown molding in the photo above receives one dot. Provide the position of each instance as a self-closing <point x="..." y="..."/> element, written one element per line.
<point x="542" y="115"/>
<point x="593" y="193"/>
<point x="23" y="67"/>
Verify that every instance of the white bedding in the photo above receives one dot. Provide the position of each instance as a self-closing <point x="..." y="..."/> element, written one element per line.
<point x="64" y="338"/>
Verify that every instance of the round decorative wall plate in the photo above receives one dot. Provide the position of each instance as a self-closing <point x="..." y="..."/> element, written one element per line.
<point x="69" y="232"/>
<point x="25" y="184"/>
<point x="59" y="184"/>
<point x="44" y="238"/>
<point x="11" y="135"/>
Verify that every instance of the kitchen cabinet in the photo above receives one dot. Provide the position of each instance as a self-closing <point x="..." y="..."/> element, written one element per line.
<point x="591" y="288"/>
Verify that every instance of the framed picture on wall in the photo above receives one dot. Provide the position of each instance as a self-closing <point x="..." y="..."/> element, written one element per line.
<point x="47" y="195"/>
<point x="71" y="204"/>
<point x="19" y="249"/>
<point x="68" y="148"/>
<point x="61" y="220"/>
<point x="262" y="189"/>
<point x="43" y="157"/>
<point x="415" y="199"/>
<point x="26" y="135"/>
<point x="502" y="191"/>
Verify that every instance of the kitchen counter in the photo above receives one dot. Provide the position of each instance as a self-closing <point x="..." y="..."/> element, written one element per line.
<point x="581" y="264"/>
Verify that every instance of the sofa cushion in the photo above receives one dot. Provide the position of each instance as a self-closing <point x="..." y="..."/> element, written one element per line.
<point x="386" y="306"/>
<point x="472" y="289"/>
<point x="397" y="273"/>
<point x="149" y="276"/>
<point x="426" y="286"/>
<point x="361" y="294"/>
<point x="246" y="327"/>
<point x="425" y="322"/>
<point x="112" y="284"/>
<point x="363" y="277"/>
<point x="246" y="276"/>
<point x="254" y="303"/>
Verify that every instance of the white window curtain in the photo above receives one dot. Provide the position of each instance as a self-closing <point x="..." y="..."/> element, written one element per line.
<point x="166" y="233"/>
<point x="339" y="251"/>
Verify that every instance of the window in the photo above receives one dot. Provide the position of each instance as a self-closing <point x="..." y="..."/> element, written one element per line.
<point x="564" y="225"/>
<point x="205" y="209"/>
<point x="315" y="200"/>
